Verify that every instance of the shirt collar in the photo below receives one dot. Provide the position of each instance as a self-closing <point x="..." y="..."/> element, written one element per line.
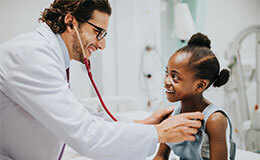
<point x="64" y="51"/>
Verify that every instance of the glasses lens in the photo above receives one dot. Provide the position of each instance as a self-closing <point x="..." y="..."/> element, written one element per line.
<point x="101" y="35"/>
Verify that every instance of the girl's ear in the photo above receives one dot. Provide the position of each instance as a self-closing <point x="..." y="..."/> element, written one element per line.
<point x="201" y="85"/>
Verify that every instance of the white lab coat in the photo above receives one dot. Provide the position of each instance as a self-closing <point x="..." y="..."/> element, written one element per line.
<point x="38" y="111"/>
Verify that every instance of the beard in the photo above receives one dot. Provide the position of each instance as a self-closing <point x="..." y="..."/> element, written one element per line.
<point x="76" y="47"/>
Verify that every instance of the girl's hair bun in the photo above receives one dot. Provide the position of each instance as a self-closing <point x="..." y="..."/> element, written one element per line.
<point x="222" y="78"/>
<point x="199" y="40"/>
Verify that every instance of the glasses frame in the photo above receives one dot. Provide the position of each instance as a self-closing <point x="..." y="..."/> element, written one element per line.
<point x="101" y="32"/>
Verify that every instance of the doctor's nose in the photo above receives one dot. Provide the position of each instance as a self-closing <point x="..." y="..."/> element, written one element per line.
<point x="101" y="44"/>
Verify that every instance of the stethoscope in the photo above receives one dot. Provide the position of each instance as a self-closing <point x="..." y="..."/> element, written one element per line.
<point x="87" y="64"/>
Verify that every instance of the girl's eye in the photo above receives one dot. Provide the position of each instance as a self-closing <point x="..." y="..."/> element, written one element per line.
<point x="175" y="77"/>
<point x="166" y="73"/>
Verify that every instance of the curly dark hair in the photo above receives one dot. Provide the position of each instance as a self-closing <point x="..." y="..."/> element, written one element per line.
<point x="81" y="9"/>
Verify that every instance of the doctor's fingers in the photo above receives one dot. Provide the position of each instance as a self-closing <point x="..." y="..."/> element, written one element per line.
<point x="163" y="113"/>
<point x="193" y="115"/>
<point x="188" y="133"/>
<point x="179" y="134"/>
<point x="193" y="123"/>
<point x="191" y="131"/>
<point x="182" y="120"/>
<point x="190" y="137"/>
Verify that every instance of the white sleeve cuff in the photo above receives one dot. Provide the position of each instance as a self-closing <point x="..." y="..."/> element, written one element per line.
<point x="154" y="141"/>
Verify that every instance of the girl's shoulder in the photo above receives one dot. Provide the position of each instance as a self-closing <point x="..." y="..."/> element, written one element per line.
<point x="216" y="122"/>
<point x="215" y="118"/>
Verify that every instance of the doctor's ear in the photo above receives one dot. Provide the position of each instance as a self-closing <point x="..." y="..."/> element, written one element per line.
<point x="68" y="20"/>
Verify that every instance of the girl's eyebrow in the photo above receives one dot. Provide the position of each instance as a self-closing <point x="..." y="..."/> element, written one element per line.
<point x="175" y="72"/>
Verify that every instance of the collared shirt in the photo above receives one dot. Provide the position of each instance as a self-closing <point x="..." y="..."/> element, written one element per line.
<point x="64" y="51"/>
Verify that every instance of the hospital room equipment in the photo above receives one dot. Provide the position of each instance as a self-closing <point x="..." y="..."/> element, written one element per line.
<point x="245" y="79"/>
<point x="150" y="75"/>
<point x="184" y="25"/>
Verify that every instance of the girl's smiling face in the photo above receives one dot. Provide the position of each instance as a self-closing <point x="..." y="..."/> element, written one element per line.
<point x="179" y="81"/>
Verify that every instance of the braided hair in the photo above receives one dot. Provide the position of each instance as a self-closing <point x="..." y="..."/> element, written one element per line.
<point x="203" y="61"/>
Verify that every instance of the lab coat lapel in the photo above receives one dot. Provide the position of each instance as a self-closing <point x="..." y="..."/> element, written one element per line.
<point x="46" y="32"/>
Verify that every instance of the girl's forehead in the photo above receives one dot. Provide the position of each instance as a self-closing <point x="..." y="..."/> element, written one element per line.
<point x="179" y="63"/>
<point x="179" y="59"/>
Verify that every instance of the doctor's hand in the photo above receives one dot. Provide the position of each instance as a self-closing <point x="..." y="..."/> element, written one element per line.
<point x="179" y="128"/>
<point x="158" y="116"/>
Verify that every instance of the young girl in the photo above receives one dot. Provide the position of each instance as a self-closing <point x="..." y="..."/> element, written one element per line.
<point x="190" y="71"/>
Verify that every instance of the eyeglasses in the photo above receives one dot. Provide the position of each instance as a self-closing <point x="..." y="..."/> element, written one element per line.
<point x="101" y="32"/>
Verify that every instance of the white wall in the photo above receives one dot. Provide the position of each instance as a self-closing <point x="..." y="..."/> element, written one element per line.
<point x="19" y="16"/>
<point x="223" y="20"/>
<point x="134" y="24"/>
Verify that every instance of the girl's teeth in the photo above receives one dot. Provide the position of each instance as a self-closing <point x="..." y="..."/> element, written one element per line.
<point x="169" y="91"/>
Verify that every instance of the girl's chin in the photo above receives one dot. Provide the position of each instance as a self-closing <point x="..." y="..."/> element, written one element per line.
<point x="170" y="99"/>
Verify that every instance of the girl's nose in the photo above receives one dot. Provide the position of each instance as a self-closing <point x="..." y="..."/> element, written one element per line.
<point x="168" y="81"/>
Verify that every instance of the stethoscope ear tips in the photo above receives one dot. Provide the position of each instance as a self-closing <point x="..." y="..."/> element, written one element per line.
<point x="71" y="26"/>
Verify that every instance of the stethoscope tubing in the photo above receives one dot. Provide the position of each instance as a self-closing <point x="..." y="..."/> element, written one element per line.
<point x="96" y="89"/>
<point x="90" y="76"/>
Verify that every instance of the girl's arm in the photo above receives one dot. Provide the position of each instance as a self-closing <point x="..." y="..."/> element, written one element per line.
<point x="163" y="152"/>
<point x="216" y="129"/>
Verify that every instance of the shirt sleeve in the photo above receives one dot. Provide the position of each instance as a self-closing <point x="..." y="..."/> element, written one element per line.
<point x="38" y="84"/>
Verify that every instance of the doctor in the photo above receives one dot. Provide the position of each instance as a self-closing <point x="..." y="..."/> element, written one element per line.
<point x="38" y="111"/>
